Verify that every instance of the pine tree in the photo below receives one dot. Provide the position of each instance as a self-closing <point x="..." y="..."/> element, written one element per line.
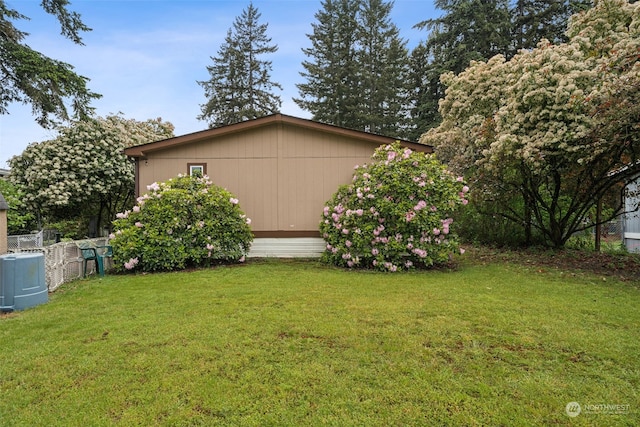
<point x="240" y="87"/>
<point x="357" y="71"/>
<point x="330" y="93"/>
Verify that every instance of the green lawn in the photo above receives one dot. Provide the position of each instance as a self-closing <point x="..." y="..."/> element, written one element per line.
<point x="299" y="343"/>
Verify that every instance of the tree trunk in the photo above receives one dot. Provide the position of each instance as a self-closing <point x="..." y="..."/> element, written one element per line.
<point x="598" y="225"/>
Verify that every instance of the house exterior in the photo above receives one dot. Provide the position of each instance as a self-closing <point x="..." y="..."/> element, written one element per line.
<point x="631" y="219"/>
<point x="282" y="169"/>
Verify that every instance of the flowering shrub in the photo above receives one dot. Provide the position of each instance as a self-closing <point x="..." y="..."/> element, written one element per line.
<point x="183" y="222"/>
<point x="395" y="215"/>
<point x="84" y="170"/>
<point x="539" y="135"/>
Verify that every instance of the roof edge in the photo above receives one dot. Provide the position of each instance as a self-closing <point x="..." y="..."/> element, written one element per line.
<point x="277" y="118"/>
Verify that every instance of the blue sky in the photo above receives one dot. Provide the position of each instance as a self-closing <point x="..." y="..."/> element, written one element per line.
<point x="145" y="56"/>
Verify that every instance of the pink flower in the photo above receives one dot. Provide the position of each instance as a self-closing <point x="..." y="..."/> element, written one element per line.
<point x="242" y="259"/>
<point x="248" y="220"/>
<point x="420" y="252"/>
<point x="462" y="251"/>
<point x="391" y="155"/>
<point x="139" y="224"/>
<point x="136" y="208"/>
<point x="153" y="187"/>
<point x="345" y="231"/>
<point x="465" y="189"/>
<point x="348" y="243"/>
<point x="409" y="216"/>
<point x="421" y="205"/>
<point x="233" y="201"/>
<point x="350" y="263"/>
<point x="436" y="231"/>
<point x="131" y="264"/>
<point x="374" y="252"/>
<point x="465" y="201"/>
<point x="459" y="179"/>
<point x="326" y="211"/>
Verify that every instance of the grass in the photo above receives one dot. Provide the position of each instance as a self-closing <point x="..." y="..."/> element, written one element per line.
<point x="299" y="343"/>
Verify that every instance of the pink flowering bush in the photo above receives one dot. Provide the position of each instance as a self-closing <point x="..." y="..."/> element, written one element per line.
<point x="395" y="215"/>
<point x="184" y="222"/>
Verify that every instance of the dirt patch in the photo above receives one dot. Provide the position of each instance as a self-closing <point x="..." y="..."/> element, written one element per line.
<point x="625" y="267"/>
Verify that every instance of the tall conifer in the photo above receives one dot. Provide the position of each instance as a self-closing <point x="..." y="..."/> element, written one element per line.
<point x="240" y="87"/>
<point x="330" y="91"/>
<point x="356" y="70"/>
<point x="383" y="69"/>
<point x="477" y="30"/>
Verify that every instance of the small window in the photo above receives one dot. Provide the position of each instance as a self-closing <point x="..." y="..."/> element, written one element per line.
<point x="197" y="169"/>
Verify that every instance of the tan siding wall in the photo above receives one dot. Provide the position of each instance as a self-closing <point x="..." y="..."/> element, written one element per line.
<point x="282" y="175"/>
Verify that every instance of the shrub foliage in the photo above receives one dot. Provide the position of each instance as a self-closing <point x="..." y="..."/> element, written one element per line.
<point x="396" y="213"/>
<point x="184" y="222"/>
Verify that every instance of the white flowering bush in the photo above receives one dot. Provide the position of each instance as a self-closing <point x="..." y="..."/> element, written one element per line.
<point x="84" y="169"/>
<point x="395" y="215"/>
<point x="542" y="134"/>
<point x="183" y="222"/>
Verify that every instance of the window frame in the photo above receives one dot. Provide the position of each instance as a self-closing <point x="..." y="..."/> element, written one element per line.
<point x="191" y="167"/>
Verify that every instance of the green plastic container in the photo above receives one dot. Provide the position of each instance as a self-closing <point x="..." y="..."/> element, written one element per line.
<point x="22" y="281"/>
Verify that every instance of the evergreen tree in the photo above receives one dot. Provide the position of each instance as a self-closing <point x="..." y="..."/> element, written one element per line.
<point x="424" y="79"/>
<point x="29" y="77"/>
<point x="383" y="69"/>
<point x="240" y="87"/>
<point x="477" y="30"/>
<point x="533" y="20"/>
<point x="358" y="68"/>
<point x="468" y="30"/>
<point x="330" y="93"/>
